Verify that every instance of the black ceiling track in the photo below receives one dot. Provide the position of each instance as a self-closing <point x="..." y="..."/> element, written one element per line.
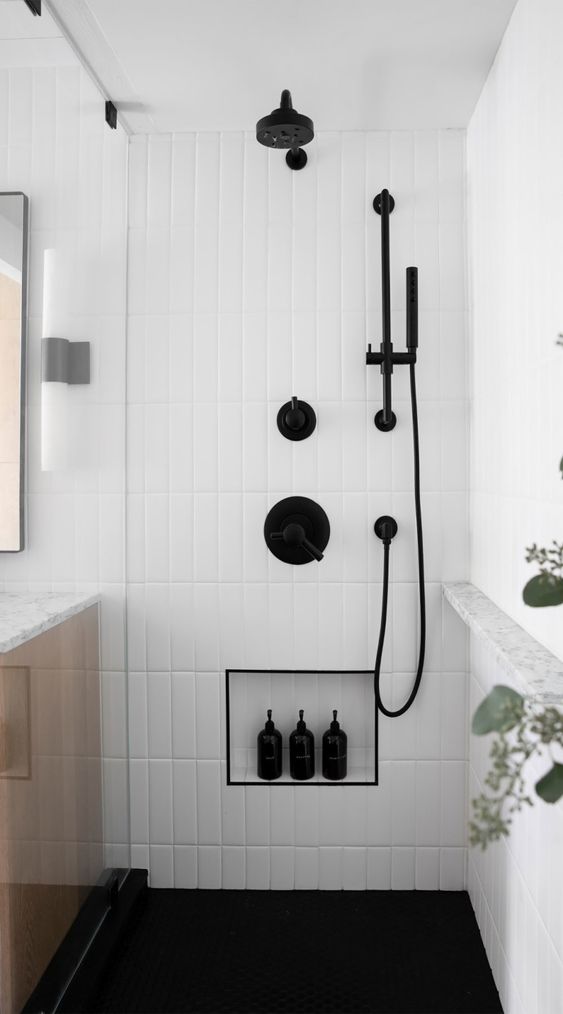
<point x="34" y="6"/>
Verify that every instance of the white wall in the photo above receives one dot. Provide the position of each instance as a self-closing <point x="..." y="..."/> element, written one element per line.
<point x="57" y="149"/>
<point x="515" y="151"/>
<point x="249" y="283"/>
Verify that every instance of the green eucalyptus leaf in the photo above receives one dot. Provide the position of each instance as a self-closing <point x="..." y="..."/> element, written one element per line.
<point x="550" y="787"/>
<point x="544" y="590"/>
<point x="501" y="710"/>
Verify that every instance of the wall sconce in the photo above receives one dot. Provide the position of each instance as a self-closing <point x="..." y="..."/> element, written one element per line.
<point x="63" y="363"/>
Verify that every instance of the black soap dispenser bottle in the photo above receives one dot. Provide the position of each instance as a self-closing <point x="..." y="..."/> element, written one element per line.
<point x="269" y="744"/>
<point x="301" y="752"/>
<point x="335" y="750"/>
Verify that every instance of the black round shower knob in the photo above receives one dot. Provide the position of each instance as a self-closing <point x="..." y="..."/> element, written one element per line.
<point x="296" y="419"/>
<point x="297" y="530"/>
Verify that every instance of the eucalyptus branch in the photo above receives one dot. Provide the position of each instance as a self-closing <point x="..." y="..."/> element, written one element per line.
<point x="522" y="729"/>
<point x="550" y="561"/>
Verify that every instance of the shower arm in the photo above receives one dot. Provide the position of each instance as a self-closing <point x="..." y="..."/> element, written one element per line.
<point x="386" y="358"/>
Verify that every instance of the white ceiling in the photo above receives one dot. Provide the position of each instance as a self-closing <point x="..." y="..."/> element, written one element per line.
<point x="28" y="41"/>
<point x="173" y="65"/>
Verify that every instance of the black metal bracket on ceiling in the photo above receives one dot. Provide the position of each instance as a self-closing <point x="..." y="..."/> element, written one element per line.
<point x="34" y="6"/>
<point x="386" y="358"/>
<point x="111" y="114"/>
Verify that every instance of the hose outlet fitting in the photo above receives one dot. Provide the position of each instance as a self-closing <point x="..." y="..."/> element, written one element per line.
<point x="385" y="528"/>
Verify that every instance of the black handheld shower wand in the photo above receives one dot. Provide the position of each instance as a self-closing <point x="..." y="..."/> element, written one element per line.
<point x="385" y="420"/>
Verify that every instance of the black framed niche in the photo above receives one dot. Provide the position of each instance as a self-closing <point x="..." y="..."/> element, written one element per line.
<point x="249" y="693"/>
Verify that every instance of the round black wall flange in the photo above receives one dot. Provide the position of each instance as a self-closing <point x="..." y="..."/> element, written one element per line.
<point x="377" y="203"/>
<point x="386" y="528"/>
<point x="296" y="158"/>
<point x="296" y="419"/>
<point x="379" y="421"/>
<point x="297" y="530"/>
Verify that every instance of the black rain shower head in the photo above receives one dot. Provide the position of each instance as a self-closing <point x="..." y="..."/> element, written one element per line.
<point x="286" y="128"/>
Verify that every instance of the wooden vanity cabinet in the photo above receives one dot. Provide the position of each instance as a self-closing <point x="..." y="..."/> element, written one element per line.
<point x="51" y="849"/>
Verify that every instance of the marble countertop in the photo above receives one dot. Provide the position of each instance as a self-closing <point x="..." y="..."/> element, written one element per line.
<point x="534" y="669"/>
<point x="23" y="616"/>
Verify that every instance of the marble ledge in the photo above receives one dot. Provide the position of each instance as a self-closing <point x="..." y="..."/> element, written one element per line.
<point x="24" y="616"/>
<point x="534" y="669"/>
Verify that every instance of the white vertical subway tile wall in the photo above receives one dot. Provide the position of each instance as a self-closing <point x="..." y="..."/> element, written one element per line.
<point x="249" y="283"/>
<point x="515" y="149"/>
<point x="57" y="149"/>
<point x="516" y="262"/>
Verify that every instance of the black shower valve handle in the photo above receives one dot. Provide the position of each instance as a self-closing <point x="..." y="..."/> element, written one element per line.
<point x="295" y="417"/>
<point x="293" y="534"/>
<point x="297" y="530"/>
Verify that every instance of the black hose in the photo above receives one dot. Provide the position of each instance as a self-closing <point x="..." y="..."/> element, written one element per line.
<point x="421" y="591"/>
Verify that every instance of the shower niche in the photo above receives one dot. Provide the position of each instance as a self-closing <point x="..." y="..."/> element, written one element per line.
<point x="249" y="693"/>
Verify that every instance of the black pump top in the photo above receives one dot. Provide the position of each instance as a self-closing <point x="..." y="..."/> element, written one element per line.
<point x="334" y="725"/>
<point x="301" y="725"/>
<point x="269" y="726"/>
